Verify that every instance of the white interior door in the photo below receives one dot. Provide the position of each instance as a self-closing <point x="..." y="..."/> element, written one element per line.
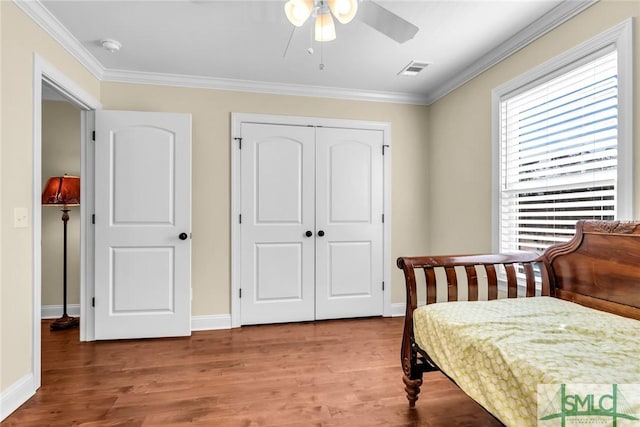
<point x="142" y="207"/>
<point x="349" y="253"/>
<point x="277" y="179"/>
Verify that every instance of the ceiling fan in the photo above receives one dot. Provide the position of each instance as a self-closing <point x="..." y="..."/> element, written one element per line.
<point x="368" y="12"/>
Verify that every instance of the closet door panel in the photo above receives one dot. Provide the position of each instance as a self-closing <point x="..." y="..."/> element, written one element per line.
<point x="349" y="207"/>
<point x="277" y="210"/>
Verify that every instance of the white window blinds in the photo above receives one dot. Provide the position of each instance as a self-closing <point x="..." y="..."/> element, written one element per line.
<point x="559" y="155"/>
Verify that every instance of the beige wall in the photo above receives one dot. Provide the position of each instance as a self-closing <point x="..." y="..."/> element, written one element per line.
<point x="2" y="214"/>
<point x="211" y="112"/>
<point x="60" y="155"/>
<point x="460" y="133"/>
<point x="20" y="38"/>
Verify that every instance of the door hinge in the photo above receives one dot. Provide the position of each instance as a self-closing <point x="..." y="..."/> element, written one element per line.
<point x="93" y="135"/>
<point x="383" y="218"/>
<point x="93" y="302"/>
<point x="240" y="292"/>
<point x="239" y="142"/>
<point x="383" y="286"/>
<point x="93" y="218"/>
<point x="240" y="219"/>
<point x="383" y="147"/>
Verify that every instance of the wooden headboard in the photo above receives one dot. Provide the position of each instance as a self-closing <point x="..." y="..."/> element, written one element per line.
<point x="599" y="267"/>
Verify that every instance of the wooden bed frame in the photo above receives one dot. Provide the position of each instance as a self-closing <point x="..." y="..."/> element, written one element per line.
<point x="598" y="268"/>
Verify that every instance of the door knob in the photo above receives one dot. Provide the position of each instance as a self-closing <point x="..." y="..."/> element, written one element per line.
<point x="320" y="233"/>
<point x="183" y="236"/>
<point x="308" y="233"/>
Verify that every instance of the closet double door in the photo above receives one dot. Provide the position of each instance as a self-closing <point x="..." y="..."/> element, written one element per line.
<point x="312" y="223"/>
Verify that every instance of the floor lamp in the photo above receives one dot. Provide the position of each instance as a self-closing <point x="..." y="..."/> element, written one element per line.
<point x="63" y="191"/>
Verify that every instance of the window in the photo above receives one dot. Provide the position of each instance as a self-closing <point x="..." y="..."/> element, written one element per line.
<point x="562" y="142"/>
<point x="558" y="150"/>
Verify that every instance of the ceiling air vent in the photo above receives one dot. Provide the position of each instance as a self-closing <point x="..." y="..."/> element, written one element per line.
<point x="413" y="68"/>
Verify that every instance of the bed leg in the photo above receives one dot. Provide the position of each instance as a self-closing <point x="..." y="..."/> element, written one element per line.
<point x="412" y="388"/>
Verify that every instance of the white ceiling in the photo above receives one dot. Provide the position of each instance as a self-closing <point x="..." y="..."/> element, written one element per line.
<point x="241" y="43"/>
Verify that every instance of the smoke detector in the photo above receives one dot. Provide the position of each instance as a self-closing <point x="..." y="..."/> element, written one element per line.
<point x="413" y="68"/>
<point x="111" y="45"/>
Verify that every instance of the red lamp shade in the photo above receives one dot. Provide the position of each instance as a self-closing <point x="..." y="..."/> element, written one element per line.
<point x="62" y="191"/>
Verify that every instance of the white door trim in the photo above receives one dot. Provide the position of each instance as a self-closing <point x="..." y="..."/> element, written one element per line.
<point x="236" y="123"/>
<point x="44" y="72"/>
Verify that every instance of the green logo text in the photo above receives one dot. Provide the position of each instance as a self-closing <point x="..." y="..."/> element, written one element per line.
<point x="607" y="407"/>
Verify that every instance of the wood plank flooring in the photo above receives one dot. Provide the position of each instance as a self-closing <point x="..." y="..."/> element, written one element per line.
<point x="329" y="373"/>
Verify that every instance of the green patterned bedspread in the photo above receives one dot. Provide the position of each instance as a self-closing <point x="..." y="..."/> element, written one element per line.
<point x="499" y="351"/>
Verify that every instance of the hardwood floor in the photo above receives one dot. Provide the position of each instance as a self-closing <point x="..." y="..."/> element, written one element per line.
<point x="329" y="373"/>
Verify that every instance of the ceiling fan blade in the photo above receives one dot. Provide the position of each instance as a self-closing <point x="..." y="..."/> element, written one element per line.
<point x="387" y="22"/>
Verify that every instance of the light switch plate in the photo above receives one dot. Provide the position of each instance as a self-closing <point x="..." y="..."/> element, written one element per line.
<point x="20" y="218"/>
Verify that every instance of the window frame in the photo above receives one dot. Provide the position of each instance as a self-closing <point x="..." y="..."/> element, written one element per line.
<point x="621" y="38"/>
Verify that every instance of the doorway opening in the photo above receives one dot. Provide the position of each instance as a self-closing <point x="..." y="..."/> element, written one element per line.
<point x="60" y="249"/>
<point x="45" y="74"/>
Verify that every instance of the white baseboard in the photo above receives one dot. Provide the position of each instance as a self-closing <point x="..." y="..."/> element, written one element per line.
<point x="17" y="393"/>
<point x="198" y="323"/>
<point x="55" y="311"/>
<point x="210" y="322"/>
<point x="398" y="309"/>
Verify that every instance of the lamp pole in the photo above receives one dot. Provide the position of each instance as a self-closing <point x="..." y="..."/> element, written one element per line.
<point x="64" y="322"/>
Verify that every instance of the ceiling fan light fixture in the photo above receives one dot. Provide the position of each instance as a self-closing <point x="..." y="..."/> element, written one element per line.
<point x="343" y="10"/>
<point x="298" y="11"/>
<point x="325" y="28"/>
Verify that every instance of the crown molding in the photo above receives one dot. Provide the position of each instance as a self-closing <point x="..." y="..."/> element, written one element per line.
<point x="50" y="24"/>
<point x="558" y="15"/>
<point x="202" y="82"/>
<point x="552" y="19"/>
